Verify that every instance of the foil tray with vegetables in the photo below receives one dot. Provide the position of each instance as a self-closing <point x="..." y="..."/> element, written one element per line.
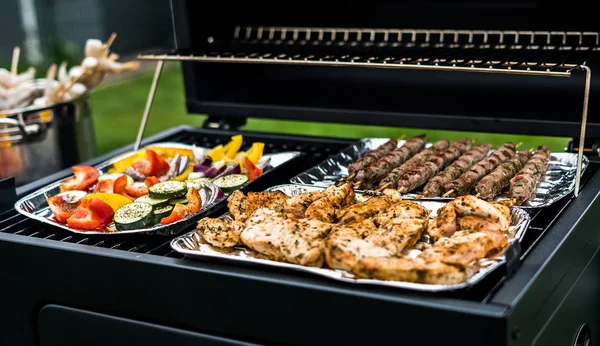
<point x="161" y="188"/>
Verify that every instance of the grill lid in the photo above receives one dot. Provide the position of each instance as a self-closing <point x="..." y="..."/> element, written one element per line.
<point x="314" y="62"/>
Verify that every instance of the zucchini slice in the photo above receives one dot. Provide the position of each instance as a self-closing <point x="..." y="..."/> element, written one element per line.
<point x="72" y="196"/>
<point x="115" y="176"/>
<point x="161" y="212"/>
<point x="134" y="215"/>
<point x="197" y="183"/>
<point x="178" y="200"/>
<point x="154" y="202"/>
<point x="229" y="183"/>
<point x="168" y="189"/>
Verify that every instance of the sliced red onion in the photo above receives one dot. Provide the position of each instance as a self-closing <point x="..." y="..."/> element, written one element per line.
<point x="215" y="169"/>
<point x="232" y="168"/>
<point x="201" y="168"/>
<point x="196" y="175"/>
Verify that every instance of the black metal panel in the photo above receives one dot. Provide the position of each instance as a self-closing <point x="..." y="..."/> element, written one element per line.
<point x="8" y="194"/>
<point x="445" y="100"/>
<point x="262" y="306"/>
<point x="553" y="266"/>
<point x="91" y="328"/>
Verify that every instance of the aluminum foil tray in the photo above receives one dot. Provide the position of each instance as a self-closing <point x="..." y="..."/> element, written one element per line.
<point x="192" y="245"/>
<point x="557" y="182"/>
<point x="35" y="206"/>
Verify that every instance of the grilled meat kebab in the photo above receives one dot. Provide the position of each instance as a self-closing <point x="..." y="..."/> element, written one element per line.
<point x="413" y="162"/>
<point x="492" y="184"/>
<point x="435" y="186"/>
<point x="421" y="174"/>
<point x="378" y="170"/>
<point x="465" y="183"/>
<point x="523" y="184"/>
<point x="372" y="156"/>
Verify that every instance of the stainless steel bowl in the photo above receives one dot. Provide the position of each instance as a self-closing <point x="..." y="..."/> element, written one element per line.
<point x="38" y="141"/>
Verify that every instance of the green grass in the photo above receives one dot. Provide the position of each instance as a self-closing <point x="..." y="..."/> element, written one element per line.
<point x="118" y="110"/>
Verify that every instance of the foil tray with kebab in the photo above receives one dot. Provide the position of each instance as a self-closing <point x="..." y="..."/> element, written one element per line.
<point x="442" y="170"/>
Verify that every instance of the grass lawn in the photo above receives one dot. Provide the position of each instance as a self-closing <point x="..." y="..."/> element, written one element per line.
<point x="118" y="109"/>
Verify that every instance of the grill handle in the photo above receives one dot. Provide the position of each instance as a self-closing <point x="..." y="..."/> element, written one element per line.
<point x="12" y="131"/>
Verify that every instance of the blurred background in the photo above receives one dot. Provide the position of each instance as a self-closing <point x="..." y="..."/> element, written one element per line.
<point x="53" y="31"/>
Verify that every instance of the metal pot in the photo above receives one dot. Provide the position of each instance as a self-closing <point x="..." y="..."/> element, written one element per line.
<point x="35" y="142"/>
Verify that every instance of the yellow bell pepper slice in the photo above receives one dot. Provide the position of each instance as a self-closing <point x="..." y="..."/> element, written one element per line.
<point x="234" y="146"/>
<point x="217" y="153"/>
<point x="115" y="200"/>
<point x="255" y="152"/>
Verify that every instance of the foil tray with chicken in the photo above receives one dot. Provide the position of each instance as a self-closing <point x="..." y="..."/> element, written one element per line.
<point x="367" y="238"/>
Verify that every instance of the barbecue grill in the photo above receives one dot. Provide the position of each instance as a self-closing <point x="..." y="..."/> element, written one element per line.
<point x="318" y="63"/>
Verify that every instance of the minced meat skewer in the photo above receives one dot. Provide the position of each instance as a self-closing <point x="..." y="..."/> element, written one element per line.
<point x="435" y="186"/>
<point x="524" y="183"/>
<point x="492" y="184"/>
<point x="372" y="156"/>
<point x="465" y="183"/>
<point x="420" y="175"/>
<point x="419" y="158"/>
<point x="375" y="172"/>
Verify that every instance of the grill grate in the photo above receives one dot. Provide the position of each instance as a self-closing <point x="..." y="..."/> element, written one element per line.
<point x="515" y="52"/>
<point x="12" y="222"/>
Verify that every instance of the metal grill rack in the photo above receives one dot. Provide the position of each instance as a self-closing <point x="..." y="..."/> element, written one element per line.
<point x="536" y="53"/>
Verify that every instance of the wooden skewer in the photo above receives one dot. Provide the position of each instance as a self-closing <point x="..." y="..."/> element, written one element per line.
<point x="49" y="78"/>
<point x="518" y="145"/>
<point x="421" y="195"/>
<point x="110" y="41"/>
<point x="383" y="187"/>
<point x="15" y="61"/>
<point x="447" y="193"/>
<point x="402" y="137"/>
<point x="477" y="196"/>
<point x="473" y="141"/>
<point x="73" y="82"/>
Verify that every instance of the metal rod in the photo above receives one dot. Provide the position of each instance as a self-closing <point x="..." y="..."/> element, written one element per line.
<point x="246" y="60"/>
<point x="586" y="100"/>
<point x="159" y="67"/>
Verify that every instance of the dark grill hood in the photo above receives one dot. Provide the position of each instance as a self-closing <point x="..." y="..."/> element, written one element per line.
<point x="425" y="99"/>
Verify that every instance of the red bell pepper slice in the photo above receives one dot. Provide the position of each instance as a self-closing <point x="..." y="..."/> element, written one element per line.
<point x="153" y="164"/>
<point x="179" y="212"/>
<point x="120" y="187"/>
<point x="151" y="181"/>
<point x="91" y="214"/>
<point x="62" y="209"/>
<point x="84" y="177"/>
<point x="106" y="186"/>
<point x="137" y="190"/>
<point x="253" y="171"/>
<point x="194" y="201"/>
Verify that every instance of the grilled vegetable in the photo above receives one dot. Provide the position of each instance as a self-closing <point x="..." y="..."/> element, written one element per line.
<point x="153" y="164"/>
<point x="136" y="190"/>
<point x="133" y="216"/>
<point x="215" y="169"/>
<point x="234" y="146"/>
<point x="217" y="153"/>
<point x="161" y="212"/>
<point x="168" y="189"/>
<point x="252" y="171"/>
<point x="255" y="152"/>
<point x="115" y="176"/>
<point x="114" y="200"/>
<point x="197" y="184"/>
<point x="91" y="214"/>
<point x="84" y="177"/>
<point x="231" y="182"/>
<point x="195" y="203"/>
<point x="178" y="200"/>
<point x="232" y="168"/>
<point x="154" y="202"/>
<point x="64" y="204"/>
<point x="179" y="212"/>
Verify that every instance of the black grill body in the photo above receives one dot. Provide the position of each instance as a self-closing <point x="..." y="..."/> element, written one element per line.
<point x="66" y="289"/>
